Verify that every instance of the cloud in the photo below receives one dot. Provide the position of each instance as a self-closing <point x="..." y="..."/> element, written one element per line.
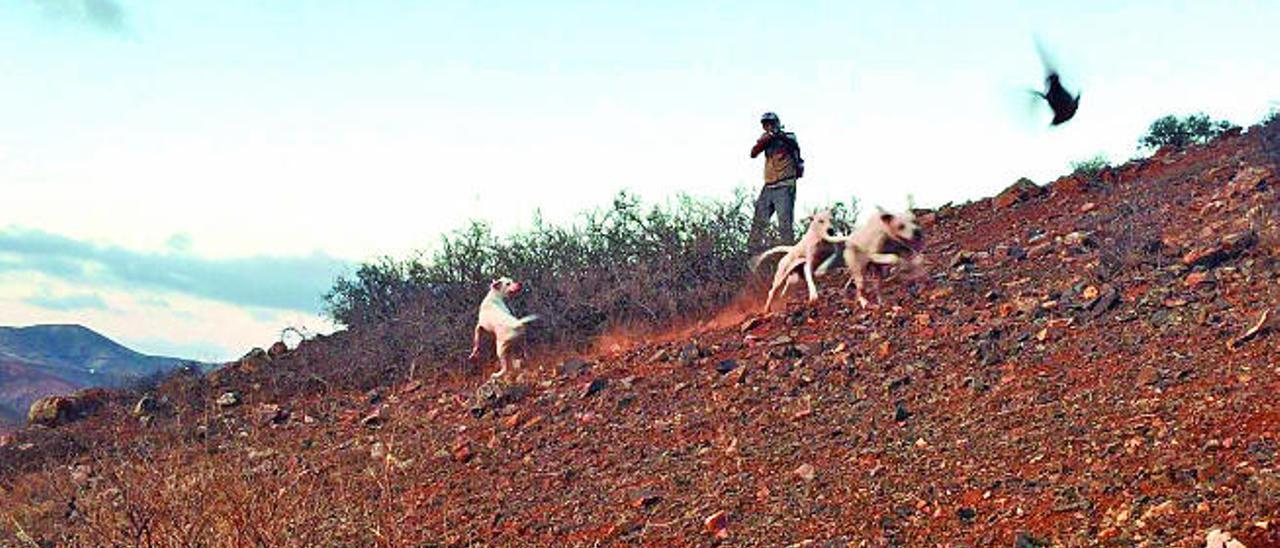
<point x="278" y="282"/>
<point x="80" y="301"/>
<point x="105" y="15"/>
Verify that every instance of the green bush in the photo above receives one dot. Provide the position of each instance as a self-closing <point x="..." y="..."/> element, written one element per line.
<point x="1091" y="167"/>
<point x="1179" y="132"/>
<point x="628" y="265"/>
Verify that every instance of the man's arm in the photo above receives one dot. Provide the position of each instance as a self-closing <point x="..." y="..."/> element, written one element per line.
<point x="760" y="144"/>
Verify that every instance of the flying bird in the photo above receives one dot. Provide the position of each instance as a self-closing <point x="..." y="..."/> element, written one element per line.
<point x="1060" y="100"/>
<point x="1063" y="104"/>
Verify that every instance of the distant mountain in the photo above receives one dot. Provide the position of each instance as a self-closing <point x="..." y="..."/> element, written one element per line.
<point x="44" y="360"/>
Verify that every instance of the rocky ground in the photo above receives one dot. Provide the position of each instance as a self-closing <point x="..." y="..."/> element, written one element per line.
<point x="1092" y="362"/>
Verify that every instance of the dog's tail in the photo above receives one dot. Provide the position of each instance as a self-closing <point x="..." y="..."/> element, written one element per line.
<point x="838" y="240"/>
<point x="755" y="263"/>
<point x="527" y="319"/>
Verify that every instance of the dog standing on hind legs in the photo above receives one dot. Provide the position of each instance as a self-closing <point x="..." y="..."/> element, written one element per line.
<point x="496" y="318"/>
<point x="814" y="247"/>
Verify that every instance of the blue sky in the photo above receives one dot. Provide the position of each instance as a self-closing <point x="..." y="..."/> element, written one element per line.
<point x="182" y="175"/>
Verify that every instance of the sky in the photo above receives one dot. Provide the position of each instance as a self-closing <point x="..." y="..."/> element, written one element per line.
<point x="189" y="178"/>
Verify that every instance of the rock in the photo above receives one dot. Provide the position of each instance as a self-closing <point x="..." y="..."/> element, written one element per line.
<point x="1078" y="239"/>
<point x="1020" y="190"/>
<point x="750" y="324"/>
<point x="961" y="258"/>
<point x="1249" y="179"/>
<point x="988" y="353"/>
<point x="228" y="399"/>
<point x="660" y="355"/>
<point x="270" y="413"/>
<point x="261" y="454"/>
<point x="805" y="472"/>
<point x="495" y="394"/>
<point x="1107" y="299"/>
<point x="1226" y="248"/>
<point x="81" y="474"/>
<point x="645" y="499"/>
<point x="378" y="451"/>
<point x="594" y="387"/>
<point x="461" y="450"/>
<point x="900" y="413"/>
<point x="1163" y="509"/>
<point x="689" y="354"/>
<point x="53" y="411"/>
<point x="1217" y="538"/>
<point x="573" y="366"/>
<point x="377" y="418"/>
<point x="1090" y="206"/>
<point x="717" y="524"/>
<point x="277" y="349"/>
<point x="726" y="366"/>
<point x="1026" y="540"/>
<point x="1195" y="279"/>
<point x="1090" y="295"/>
<point x="148" y="405"/>
<point x="966" y="514"/>
<point x="1148" y="375"/>
<point x="1070" y="185"/>
<point x="254" y="361"/>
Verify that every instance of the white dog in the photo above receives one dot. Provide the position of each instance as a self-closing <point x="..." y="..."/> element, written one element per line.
<point x="496" y="318"/>
<point x="885" y="239"/>
<point x="815" y="246"/>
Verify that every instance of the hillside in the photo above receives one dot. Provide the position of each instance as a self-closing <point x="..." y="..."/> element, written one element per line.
<point x="1090" y="363"/>
<point x="42" y="360"/>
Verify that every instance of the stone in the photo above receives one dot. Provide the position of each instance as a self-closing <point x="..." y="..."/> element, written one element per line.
<point x="461" y="451"/>
<point x="254" y="361"/>
<point x="261" y="454"/>
<point x="689" y="354"/>
<point x="1019" y="191"/>
<point x="148" y="405"/>
<point x="900" y="413"/>
<point x="594" y="387"/>
<point x="806" y="472"/>
<point x="1226" y="248"/>
<point x="270" y="413"/>
<point x="572" y="367"/>
<point x="726" y="366"/>
<point x="495" y="394"/>
<point x="277" y="350"/>
<point x="717" y="524"/>
<point x="377" y="418"/>
<point x="228" y="399"/>
<point x="54" y="411"/>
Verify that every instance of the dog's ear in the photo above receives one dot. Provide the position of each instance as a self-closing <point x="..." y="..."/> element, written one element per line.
<point x="494" y="285"/>
<point x="886" y="217"/>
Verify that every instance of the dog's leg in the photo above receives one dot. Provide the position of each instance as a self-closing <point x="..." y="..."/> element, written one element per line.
<point x="475" y="344"/>
<point x="502" y="358"/>
<point x="884" y="258"/>
<point x="808" y="278"/>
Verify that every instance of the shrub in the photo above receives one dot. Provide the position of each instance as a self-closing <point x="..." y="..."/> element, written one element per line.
<point x="1180" y="132"/>
<point x="628" y="265"/>
<point x="1091" y="167"/>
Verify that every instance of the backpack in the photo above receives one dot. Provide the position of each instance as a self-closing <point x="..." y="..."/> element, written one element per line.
<point x="795" y="154"/>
